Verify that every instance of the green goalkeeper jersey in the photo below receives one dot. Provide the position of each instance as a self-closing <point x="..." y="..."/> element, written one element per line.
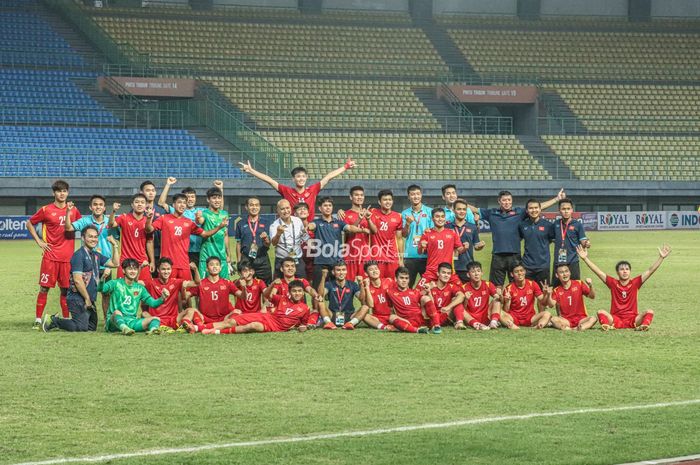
<point x="127" y="298"/>
<point x="213" y="246"/>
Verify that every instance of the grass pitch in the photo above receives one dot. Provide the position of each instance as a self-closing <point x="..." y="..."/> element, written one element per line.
<point x="75" y="395"/>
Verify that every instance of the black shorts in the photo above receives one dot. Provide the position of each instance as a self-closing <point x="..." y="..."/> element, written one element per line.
<point x="501" y="264"/>
<point x="415" y="266"/>
<point x="539" y="276"/>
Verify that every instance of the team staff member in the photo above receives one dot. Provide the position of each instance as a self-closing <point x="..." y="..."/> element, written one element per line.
<point x="253" y="242"/>
<point x="568" y="234"/>
<point x="537" y="233"/>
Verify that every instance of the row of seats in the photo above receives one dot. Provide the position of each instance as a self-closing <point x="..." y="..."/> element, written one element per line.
<point x="566" y="23"/>
<point x="629" y="157"/>
<point x="428" y="156"/>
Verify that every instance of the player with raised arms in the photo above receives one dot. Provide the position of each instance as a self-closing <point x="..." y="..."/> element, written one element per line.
<point x="519" y="301"/>
<point x="624" y="290"/>
<point x="568" y="299"/>
<point x="252" y="288"/>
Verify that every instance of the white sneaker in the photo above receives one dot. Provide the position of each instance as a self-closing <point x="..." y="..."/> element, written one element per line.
<point x="481" y="327"/>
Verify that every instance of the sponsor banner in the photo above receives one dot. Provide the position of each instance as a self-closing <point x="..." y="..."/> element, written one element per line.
<point x="589" y="220"/>
<point x="682" y="220"/>
<point x="14" y="227"/>
<point x="631" y="221"/>
<point x="492" y="94"/>
<point x="150" y="87"/>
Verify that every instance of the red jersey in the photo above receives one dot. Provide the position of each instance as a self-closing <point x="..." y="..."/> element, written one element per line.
<point x="169" y="308"/>
<point x="358" y="243"/>
<point x="288" y="314"/>
<point x="384" y="248"/>
<point x="522" y="300"/>
<point x="406" y="303"/>
<point x="478" y="299"/>
<point x="133" y="237"/>
<point x="571" y="303"/>
<point x="308" y="196"/>
<point x="53" y="232"/>
<point x="251" y="299"/>
<point x="380" y="297"/>
<point x="175" y="238"/>
<point x="624" y="298"/>
<point x="214" y="300"/>
<point x="441" y="246"/>
<point x="443" y="297"/>
<point x="283" y="287"/>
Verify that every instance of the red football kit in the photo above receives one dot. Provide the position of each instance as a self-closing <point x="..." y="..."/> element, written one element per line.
<point x="571" y="304"/>
<point x="522" y="302"/>
<point x="478" y="300"/>
<point x="251" y="299"/>
<point x="308" y="196"/>
<point x="440" y="249"/>
<point x="133" y="239"/>
<point x="286" y="316"/>
<point x="623" y="305"/>
<point x="175" y="241"/>
<point x="443" y="297"/>
<point x="382" y="308"/>
<point x="283" y="287"/>
<point x="406" y="304"/>
<point x="358" y="246"/>
<point x="214" y="303"/>
<point x="168" y="310"/>
<point x="55" y="263"/>
<point x="384" y="249"/>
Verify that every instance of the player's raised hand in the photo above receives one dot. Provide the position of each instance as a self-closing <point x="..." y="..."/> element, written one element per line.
<point x="664" y="251"/>
<point x="368" y="212"/>
<point x="324" y="272"/>
<point x="144" y="264"/>
<point x="224" y="223"/>
<point x="198" y="215"/>
<point x="116" y="206"/>
<point x="193" y="266"/>
<point x="242" y="282"/>
<point x="350" y="163"/>
<point x="586" y="243"/>
<point x="170" y="181"/>
<point x="281" y="228"/>
<point x="311" y="226"/>
<point x="165" y="292"/>
<point x="506" y="295"/>
<point x="561" y="194"/>
<point x="277" y="282"/>
<point x="365" y="282"/>
<point x="70" y="206"/>
<point x="219" y="183"/>
<point x="245" y="167"/>
<point x="149" y="212"/>
<point x="410" y="219"/>
<point x="341" y="214"/>
<point x="263" y="235"/>
<point x="581" y="251"/>
<point x="424" y="244"/>
<point x="112" y="240"/>
<point x="152" y="267"/>
<point x="546" y="288"/>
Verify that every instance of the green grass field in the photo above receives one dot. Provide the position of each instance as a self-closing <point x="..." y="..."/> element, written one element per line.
<point x="76" y="395"/>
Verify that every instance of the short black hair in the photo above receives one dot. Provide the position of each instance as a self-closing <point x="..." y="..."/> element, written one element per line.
<point x="474" y="264"/>
<point x="177" y="197"/>
<point x="60" y="185"/>
<point x="247" y="202"/>
<point x="339" y="263"/>
<point x="384" y="193"/>
<point x="324" y="200"/>
<point x="138" y="195"/>
<point x="356" y="188"/>
<point x="462" y="201"/>
<point x="90" y="227"/>
<point x="566" y="200"/>
<point x="516" y="265"/>
<point x="189" y="190"/>
<point x="296" y="284"/>
<point x="97" y="196"/>
<point x="214" y="192"/>
<point x="559" y="265"/>
<point x="622" y="263"/>
<point x="298" y="169"/>
<point x="287" y="260"/>
<point x="445" y="265"/>
<point x="162" y="260"/>
<point x="529" y="201"/>
<point x="146" y="183"/>
<point x="437" y="210"/>
<point x="245" y="265"/>
<point x="413" y="187"/>
<point x="369" y="263"/>
<point x="130" y="263"/>
<point x="213" y="258"/>
<point x="401" y="270"/>
<point x="301" y="205"/>
<point x="448" y="186"/>
<point x="503" y="194"/>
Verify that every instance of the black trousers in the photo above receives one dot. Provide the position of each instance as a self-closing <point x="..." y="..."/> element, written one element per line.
<point x="81" y="318"/>
<point x="415" y="266"/>
<point x="501" y="264"/>
<point x="539" y="276"/>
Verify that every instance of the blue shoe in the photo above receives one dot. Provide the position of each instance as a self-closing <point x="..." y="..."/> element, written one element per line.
<point x="436" y="330"/>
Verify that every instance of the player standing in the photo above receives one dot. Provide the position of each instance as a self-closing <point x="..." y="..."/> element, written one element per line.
<point x="57" y="247"/>
<point x="357" y="243"/>
<point x="483" y="301"/>
<point x="132" y="233"/>
<point x="469" y="235"/>
<point x="519" y="301"/>
<point x="385" y="226"/>
<point x="218" y="244"/>
<point x="568" y="298"/>
<point x="440" y="244"/>
<point x="148" y="189"/>
<point x="415" y="219"/>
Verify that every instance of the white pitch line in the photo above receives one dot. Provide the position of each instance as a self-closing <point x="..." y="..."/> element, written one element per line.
<point x="686" y="458"/>
<point x="361" y="433"/>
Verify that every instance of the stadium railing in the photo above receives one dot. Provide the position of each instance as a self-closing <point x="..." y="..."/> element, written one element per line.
<point x="641" y="126"/>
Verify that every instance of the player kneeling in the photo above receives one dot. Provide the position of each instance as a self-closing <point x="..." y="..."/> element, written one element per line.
<point x="290" y="312"/>
<point x="376" y="298"/>
<point x="519" y="301"/>
<point x="447" y="297"/>
<point x="568" y="298"/>
<point x="482" y="312"/>
<point x="623" y="306"/>
<point x="125" y="297"/>
<point x="409" y="305"/>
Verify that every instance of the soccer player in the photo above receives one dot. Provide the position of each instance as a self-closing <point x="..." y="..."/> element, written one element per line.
<point x="252" y="290"/>
<point x="253" y="242"/>
<point x="176" y="231"/>
<point x="86" y="265"/>
<point x="537" y="233"/>
<point x="299" y="193"/>
<point x="218" y="244"/>
<point x="409" y="305"/>
<point x="288" y="271"/>
<point x="290" y="312"/>
<point x="340" y="293"/>
<point x="519" y="301"/>
<point x="469" y="235"/>
<point x="385" y="226"/>
<point x="504" y="223"/>
<point x="132" y="233"/>
<point x="57" y="248"/>
<point x="376" y="299"/>
<point x="440" y="244"/>
<point x="357" y="243"/>
<point x="214" y="295"/>
<point x="288" y="232"/>
<point x="483" y="301"/>
<point x="447" y="296"/>
<point x="568" y="234"/>
<point x="568" y="299"/>
<point x="416" y="219"/>
<point x="125" y="295"/>
<point x="326" y="248"/>
<point x="623" y="307"/>
<point x="168" y="312"/>
<point x="101" y="222"/>
<point x="148" y="189"/>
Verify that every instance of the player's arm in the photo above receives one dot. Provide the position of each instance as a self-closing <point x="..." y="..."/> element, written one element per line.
<point x="476" y="240"/>
<point x="67" y="224"/>
<point x="227" y="249"/>
<point x="116" y="253"/>
<point x="149" y="222"/>
<point x="664" y="252"/>
<point x="408" y="221"/>
<point x="211" y="232"/>
<point x="163" y="199"/>
<point x="220" y="185"/>
<point x="372" y="227"/>
<point x="506" y="300"/>
<point x="355" y="229"/>
<point x="548" y="203"/>
<point x="32" y="231"/>
<point x="247" y="168"/>
<point x="369" y="300"/>
<point x="267" y="293"/>
<point x="349" y="164"/>
<point x="362" y="295"/>
<point x="583" y="255"/>
<point x="196" y="277"/>
<point x="400" y="246"/>
<point x="113" y="216"/>
<point x="151" y="254"/>
<point x="456" y="300"/>
<point x="591" y="292"/>
<point x="281" y="228"/>
<point x="582" y="235"/>
<point x="148" y="299"/>
<point x="546" y="296"/>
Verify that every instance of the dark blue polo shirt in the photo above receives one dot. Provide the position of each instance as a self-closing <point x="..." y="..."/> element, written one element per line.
<point x="574" y="233"/>
<point x="536" y="237"/>
<point x="504" y="228"/>
<point x="346" y="294"/>
<point x="244" y="235"/>
<point x="330" y="237"/>
<point x="468" y="234"/>
<point x="88" y="263"/>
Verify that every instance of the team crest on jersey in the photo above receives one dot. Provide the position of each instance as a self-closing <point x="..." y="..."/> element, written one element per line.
<point x="170" y="221"/>
<point x="529" y="291"/>
<point x="335" y="226"/>
<point x="575" y="289"/>
<point x="571" y="228"/>
<point x="222" y="287"/>
<point x="541" y="228"/>
<point x="206" y="288"/>
<point x="469" y="230"/>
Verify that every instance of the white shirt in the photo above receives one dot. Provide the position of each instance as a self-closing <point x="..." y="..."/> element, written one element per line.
<point x="292" y="238"/>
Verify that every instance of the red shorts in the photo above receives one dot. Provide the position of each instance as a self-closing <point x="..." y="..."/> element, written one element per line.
<point x="575" y="320"/>
<point x="430" y="276"/>
<point x="388" y="269"/>
<point x="416" y="320"/>
<point x="53" y="272"/>
<point x="181" y="273"/>
<point x="624" y="323"/>
<point x="268" y="321"/>
<point x="522" y="320"/>
<point x="144" y="274"/>
<point x="217" y="319"/>
<point x="355" y="269"/>
<point x="444" y="318"/>
<point x="383" y="318"/>
<point x="481" y="317"/>
<point x="168" y="321"/>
